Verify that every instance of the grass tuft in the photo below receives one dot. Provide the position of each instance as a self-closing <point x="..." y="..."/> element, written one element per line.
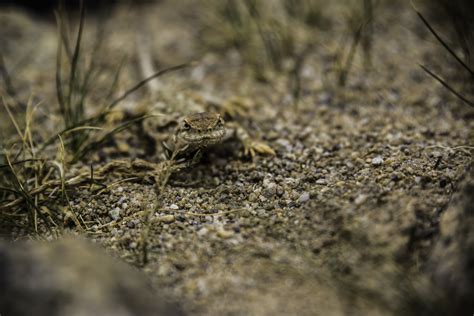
<point x="265" y="34"/>
<point x="32" y="184"/>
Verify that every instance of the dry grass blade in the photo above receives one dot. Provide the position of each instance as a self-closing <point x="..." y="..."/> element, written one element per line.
<point x="6" y="77"/>
<point x="344" y="72"/>
<point x="115" y="80"/>
<point x="113" y="184"/>
<point x="75" y="60"/>
<point x="296" y="73"/>
<point x="83" y="124"/>
<point x="64" y="132"/>
<point x="12" y="119"/>
<point x="122" y="166"/>
<point x="33" y="209"/>
<point x="447" y="86"/>
<point x="20" y="162"/>
<point x="61" y="168"/>
<point x="61" y="16"/>
<point x="144" y="82"/>
<point x="27" y="135"/>
<point x="10" y="190"/>
<point x="368" y="34"/>
<point x="442" y="42"/>
<point x="59" y="89"/>
<point x="52" y="184"/>
<point x="88" y="78"/>
<point x="162" y="173"/>
<point x="81" y="152"/>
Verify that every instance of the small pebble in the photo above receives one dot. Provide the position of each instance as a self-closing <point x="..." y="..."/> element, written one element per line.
<point x="360" y="199"/>
<point x="377" y="161"/>
<point x="285" y="144"/>
<point x="202" y="232"/>
<point x="270" y="188"/>
<point x="321" y="181"/>
<point x="225" y="234"/>
<point x="115" y="213"/>
<point x="166" y="219"/>
<point x="303" y="197"/>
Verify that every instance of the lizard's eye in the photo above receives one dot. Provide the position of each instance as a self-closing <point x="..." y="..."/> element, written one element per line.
<point x="186" y="126"/>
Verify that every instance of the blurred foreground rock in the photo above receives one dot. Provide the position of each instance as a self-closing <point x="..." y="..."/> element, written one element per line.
<point x="452" y="262"/>
<point x="72" y="277"/>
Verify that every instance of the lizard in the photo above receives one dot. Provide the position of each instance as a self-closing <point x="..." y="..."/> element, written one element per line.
<point x="186" y="123"/>
<point x="185" y="135"/>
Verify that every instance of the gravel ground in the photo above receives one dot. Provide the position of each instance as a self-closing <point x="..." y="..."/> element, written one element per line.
<point x="345" y="219"/>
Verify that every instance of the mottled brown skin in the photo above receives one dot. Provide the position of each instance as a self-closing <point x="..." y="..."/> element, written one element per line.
<point x="195" y="132"/>
<point x="196" y="128"/>
<point x="201" y="129"/>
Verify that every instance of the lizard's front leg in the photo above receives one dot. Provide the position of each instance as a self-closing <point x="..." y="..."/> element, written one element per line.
<point x="251" y="145"/>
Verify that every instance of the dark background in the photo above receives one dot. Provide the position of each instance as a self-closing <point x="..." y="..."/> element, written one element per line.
<point x="45" y="7"/>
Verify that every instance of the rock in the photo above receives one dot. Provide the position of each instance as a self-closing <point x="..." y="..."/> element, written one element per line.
<point x="115" y="213"/>
<point x="321" y="181"/>
<point x="73" y="277"/>
<point x="360" y="199"/>
<point x="285" y="143"/>
<point x="269" y="188"/>
<point x="377" y="161"/>
<point x="202" y="232"/>
<point x="225" y="234"/>
<point x="174" y="207"/>
<point x="304" y="197"/>
<point x="167" y="219"/>
<point x="325" y="98"/>
<point x="450" y="263"/>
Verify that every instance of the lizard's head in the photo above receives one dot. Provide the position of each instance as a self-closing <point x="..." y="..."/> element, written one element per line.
<point x="201" y="129"/>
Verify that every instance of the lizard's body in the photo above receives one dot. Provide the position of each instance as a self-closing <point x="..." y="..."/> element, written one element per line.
<point x="186" y="123"/>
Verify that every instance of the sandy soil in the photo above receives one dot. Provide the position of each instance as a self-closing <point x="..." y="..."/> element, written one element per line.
<point x="352" y="214"/>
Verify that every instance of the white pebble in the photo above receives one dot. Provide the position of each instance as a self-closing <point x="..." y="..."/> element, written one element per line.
<point x="115" y="213"/>
<point x="303" y="197"/>
<point x="360" y="199"/>
<point x="377" y="161"/>
<point x="203" y="231"/>
<point x="321" y="181"/>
